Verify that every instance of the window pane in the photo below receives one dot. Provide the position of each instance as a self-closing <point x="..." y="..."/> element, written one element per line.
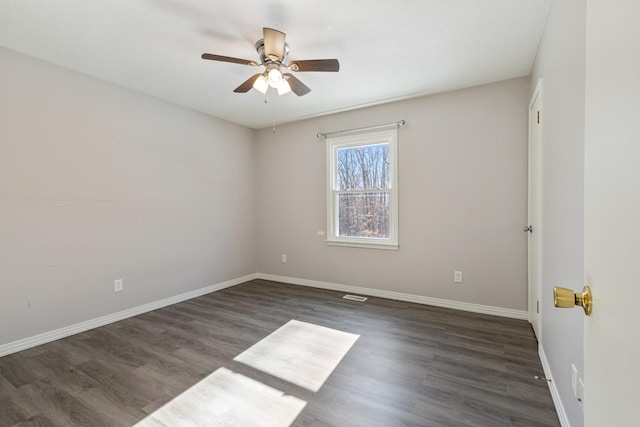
<point x="364" y="215"/>
<point x="364" y="167"/>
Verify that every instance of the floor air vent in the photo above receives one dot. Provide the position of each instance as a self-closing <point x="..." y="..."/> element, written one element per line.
<point x="355" y="298"/>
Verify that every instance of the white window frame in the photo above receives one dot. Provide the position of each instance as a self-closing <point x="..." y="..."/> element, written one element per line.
<point x="333" y="144"/>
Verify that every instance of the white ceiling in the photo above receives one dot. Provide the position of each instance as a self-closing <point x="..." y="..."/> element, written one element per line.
<point x="388" y="50"/>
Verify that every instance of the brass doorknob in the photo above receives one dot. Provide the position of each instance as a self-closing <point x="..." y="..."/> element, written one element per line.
<point x="566" y="298"/>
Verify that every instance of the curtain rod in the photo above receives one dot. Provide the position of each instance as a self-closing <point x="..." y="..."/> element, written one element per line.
<point x="385" y="126"/>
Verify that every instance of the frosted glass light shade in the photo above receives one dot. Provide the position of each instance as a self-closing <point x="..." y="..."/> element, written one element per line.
<point x="283" y="87"/>
<point x="275" y="77"/>
<point x="261" y="84"/>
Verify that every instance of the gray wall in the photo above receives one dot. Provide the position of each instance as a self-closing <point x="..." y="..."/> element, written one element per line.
<point x="463" y="199"/>
<point x="561" y="64"/>
<point x="99" y="183"/>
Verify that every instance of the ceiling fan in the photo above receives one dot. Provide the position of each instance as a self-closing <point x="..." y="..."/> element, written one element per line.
<point x="273" y="51"/>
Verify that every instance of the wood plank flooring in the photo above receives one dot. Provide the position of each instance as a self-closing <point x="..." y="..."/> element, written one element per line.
<point x="413" y="365"/>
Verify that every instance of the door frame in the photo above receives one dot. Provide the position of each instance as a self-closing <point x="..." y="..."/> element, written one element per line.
<point x="534" y="307"/>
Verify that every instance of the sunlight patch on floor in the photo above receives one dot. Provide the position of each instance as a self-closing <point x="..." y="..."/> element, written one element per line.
<point x="226" y="398"/>
<point x="300" y="353"/>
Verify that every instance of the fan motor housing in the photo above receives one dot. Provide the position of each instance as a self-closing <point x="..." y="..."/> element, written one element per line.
<point x="265" y="59"/>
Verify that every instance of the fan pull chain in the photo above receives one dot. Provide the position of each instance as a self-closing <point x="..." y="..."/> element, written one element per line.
<point x="273" y="107"/>
<point x="273" y="114"/>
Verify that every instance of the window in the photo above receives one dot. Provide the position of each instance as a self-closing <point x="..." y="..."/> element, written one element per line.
<point x="362" y="196"/>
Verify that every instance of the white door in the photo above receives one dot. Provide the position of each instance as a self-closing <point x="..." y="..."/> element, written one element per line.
<point x="534" y="224"/>
<point x="612" y="213"/>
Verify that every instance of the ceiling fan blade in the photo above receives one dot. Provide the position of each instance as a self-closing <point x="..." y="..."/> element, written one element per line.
<point x="228" y="59"/>
<point x="274" y="41"/>
<point x="315" y="65"/>
<point x="248" y="84"/>
<point x="296" y="85"/>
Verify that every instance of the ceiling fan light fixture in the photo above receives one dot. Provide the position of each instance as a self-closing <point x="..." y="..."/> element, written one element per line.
<point x="283" y="87"/>
<point x="261" y="84"/>
<point x="275" y="77"/>
<point x="273" y="51"/>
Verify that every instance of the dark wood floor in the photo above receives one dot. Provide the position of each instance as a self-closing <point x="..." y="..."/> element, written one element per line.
<point x="413" y="365"/>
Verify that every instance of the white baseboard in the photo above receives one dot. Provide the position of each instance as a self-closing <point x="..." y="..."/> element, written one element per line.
<point x="23" y="344"/>
<point x="456" y="305"/>
<point x="555" y="395"/>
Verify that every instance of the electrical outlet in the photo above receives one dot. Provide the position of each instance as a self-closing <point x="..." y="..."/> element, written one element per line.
<point x="284" y="258"/>
<point x="118" y="285"/>
<point x="457" y="276"/>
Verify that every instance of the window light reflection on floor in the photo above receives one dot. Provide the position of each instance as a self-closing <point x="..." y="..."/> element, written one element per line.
<point x="226" y="398"/>
<point x="301" y="353"/>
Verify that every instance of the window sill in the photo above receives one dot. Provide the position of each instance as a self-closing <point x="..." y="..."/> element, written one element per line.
<point x="363" y="244"/>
